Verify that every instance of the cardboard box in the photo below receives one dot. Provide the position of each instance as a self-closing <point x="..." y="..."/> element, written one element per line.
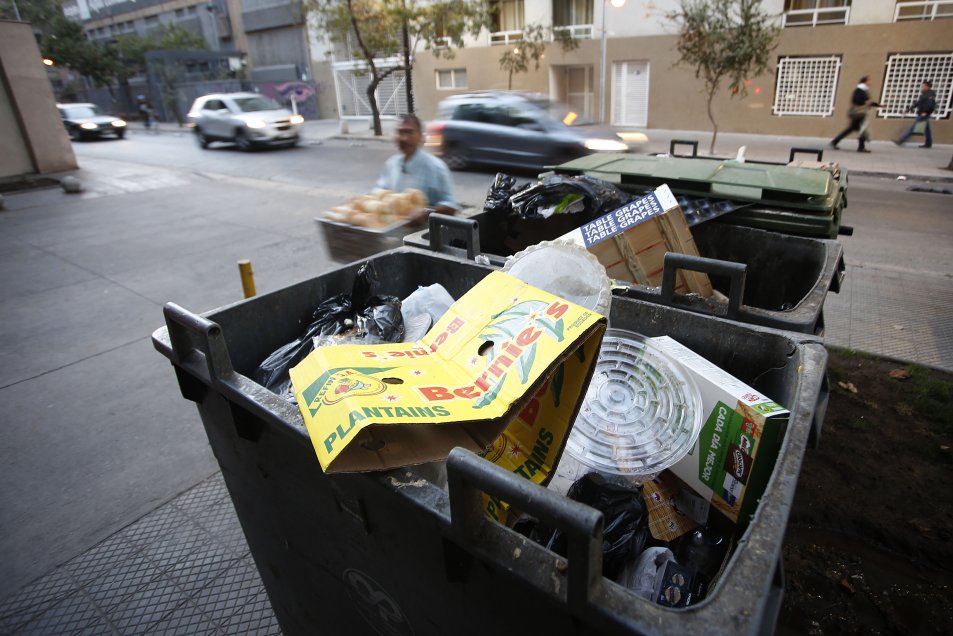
<point x="631" y="242"/>
<point x="505" y="369"/>
<point x="735" y="454"/>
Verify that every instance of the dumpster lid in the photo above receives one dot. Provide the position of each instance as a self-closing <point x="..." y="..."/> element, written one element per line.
<point x="775" y="184"/>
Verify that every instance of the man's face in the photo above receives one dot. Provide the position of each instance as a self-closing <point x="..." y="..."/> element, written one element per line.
<point x="408" y="137"/>
<point x="924" y="88"/>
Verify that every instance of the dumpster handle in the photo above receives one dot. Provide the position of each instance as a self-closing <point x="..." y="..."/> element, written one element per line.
<point x="818" y="152"/>
<point x="182" y="325"/>
<point x="469" y="474"/>
<point x="683" y="142"/>
<point x="735" y="271"/>
<point x="444" y="226"/>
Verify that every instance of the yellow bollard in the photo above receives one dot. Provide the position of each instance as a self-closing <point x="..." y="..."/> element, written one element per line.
<point x="248" y="277"/>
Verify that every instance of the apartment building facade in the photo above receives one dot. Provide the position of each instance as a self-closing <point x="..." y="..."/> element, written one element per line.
<point x="825" y="47"/>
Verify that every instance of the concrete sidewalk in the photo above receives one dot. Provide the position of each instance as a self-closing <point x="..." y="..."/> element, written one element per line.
<point x="82" y="282"/>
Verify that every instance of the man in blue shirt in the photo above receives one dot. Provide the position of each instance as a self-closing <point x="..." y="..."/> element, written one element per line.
<point x="415" y="168"/>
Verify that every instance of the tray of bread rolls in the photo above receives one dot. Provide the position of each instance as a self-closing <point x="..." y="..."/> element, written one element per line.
<point x="369" y="224"/>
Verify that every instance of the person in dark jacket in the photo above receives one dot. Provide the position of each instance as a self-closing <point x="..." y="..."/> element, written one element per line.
<point x="923" y="107"/>
<point x="860" y="104"/>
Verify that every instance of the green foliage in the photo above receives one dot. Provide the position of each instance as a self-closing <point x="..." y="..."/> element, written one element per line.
<point x="932" y="398"/>
<point x="37" y="12"/>
<point x="374" y="29"/>
<point x="724" y="41"/>
<point x="531" y="48"/>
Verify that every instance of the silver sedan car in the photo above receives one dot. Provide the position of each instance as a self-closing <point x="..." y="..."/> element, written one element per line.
<point x="248" y="120"/>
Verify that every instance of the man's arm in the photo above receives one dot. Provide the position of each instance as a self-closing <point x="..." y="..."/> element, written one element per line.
<point x="446" y="203"/>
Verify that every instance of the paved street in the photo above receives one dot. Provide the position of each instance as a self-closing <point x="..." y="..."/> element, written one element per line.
<point x="112" y="502"/>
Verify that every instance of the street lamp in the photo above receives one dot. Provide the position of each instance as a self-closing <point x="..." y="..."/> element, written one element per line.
<point x="602" y="60"/>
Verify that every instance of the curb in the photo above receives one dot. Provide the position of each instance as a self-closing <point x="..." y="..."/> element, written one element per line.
<point x="908" y="177"/>
<point x="371" y="138"/>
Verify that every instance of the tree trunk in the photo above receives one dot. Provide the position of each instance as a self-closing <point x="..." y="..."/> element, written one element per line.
<point x="510" y="85"/>
<point x="408" y="85"/>
<point x="714" y="124"/>
<point x="375" y="111"/>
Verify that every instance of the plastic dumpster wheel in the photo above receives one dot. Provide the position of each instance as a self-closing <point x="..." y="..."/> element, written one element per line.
<point x="456" y="157"/>
<point x="201" y="138"/>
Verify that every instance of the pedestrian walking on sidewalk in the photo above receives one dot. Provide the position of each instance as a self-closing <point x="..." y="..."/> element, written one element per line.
<point x="148" y="115"/>
<point x="860" y="106"/>
<point x="923" y="107"/>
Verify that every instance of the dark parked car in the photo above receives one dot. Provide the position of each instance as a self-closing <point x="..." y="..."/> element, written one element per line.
<point x="515" y="130"/>
<point x="84" y="121"/>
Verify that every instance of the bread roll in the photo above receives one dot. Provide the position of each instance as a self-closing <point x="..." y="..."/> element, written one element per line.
<point x="383" y="194"/>
<point x="417" y="198"/>
<point x="360" y="203"/>
<point x="362" y="219"/>
<point x="374" y="208"/>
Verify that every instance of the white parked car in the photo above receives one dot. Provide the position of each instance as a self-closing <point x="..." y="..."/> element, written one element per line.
<point x="245" y="119"/>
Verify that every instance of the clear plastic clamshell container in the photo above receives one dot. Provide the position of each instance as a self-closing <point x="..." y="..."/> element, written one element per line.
<point x="641" y="414"/>
<point x="566" y="270"/>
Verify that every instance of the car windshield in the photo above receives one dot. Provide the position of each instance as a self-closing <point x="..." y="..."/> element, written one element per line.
<point x="78" y="112"/>
<point x="254" y="104"/>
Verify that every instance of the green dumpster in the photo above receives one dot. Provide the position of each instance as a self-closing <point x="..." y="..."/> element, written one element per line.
<point x="789" y="199"/>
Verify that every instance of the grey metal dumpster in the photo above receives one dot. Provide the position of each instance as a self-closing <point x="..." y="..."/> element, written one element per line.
<point x="784" y="282"/>
<point x="784" y="198"/>
<point x="390" y="553"/>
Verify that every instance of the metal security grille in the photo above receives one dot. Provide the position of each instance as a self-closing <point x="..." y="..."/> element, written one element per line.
<point x="806" y="86"/>
<point x="905" y="72"/>
<point x="352" y="86"/>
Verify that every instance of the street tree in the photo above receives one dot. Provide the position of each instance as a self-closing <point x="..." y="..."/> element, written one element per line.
<point x="724" y="41"/>
<point x="531" y="48"/>
<point x="384" y="34"/>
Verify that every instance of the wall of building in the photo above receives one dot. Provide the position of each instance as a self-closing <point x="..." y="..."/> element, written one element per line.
<point x="326" y="92"/>
<point x="35" y="140"/>
<point x="676" y="100"/>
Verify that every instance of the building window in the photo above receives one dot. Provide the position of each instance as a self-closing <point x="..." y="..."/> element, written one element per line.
<point x="815" y="12"/>
<point x="180" y="13"/>
<point x="573" y="17"/>
<point x="906" y="72"/>
<point x="508" y="21"/>
<point x="451" y="78"/>
<point x="923" y="10"/>
<point x="806" y="86"/>
<point x="152" y="21"/>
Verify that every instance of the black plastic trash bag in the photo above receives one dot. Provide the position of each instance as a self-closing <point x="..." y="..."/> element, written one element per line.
<point x="498" y="196"/>
<point x="626" y="523"/>
<point x="559" y="194"/>
<point x="344" y="318"/>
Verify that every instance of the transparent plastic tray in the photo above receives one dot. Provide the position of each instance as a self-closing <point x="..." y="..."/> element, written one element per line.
<point x="641" y="414"/>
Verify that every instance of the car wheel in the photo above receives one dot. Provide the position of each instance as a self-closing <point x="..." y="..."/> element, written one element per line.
<point x="120" y="134"/>
<point x="201" y="138"/>
<point x="456" y="157"/>
<point x="74" y="134"/>
<point x="242" y="140"/>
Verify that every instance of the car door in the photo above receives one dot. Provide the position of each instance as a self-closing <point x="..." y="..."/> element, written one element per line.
<point x="214" y="122"/>
<point x="484" y="130"/>
<point x="526" y="140"/>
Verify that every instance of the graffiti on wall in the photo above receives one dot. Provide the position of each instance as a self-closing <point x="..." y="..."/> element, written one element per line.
<point x="304" y="95"/>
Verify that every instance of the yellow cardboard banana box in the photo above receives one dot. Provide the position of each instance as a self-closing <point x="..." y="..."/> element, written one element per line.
<point x="503" y="373"/>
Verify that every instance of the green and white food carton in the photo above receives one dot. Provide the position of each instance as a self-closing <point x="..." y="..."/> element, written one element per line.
<point x="732" y="460"/>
